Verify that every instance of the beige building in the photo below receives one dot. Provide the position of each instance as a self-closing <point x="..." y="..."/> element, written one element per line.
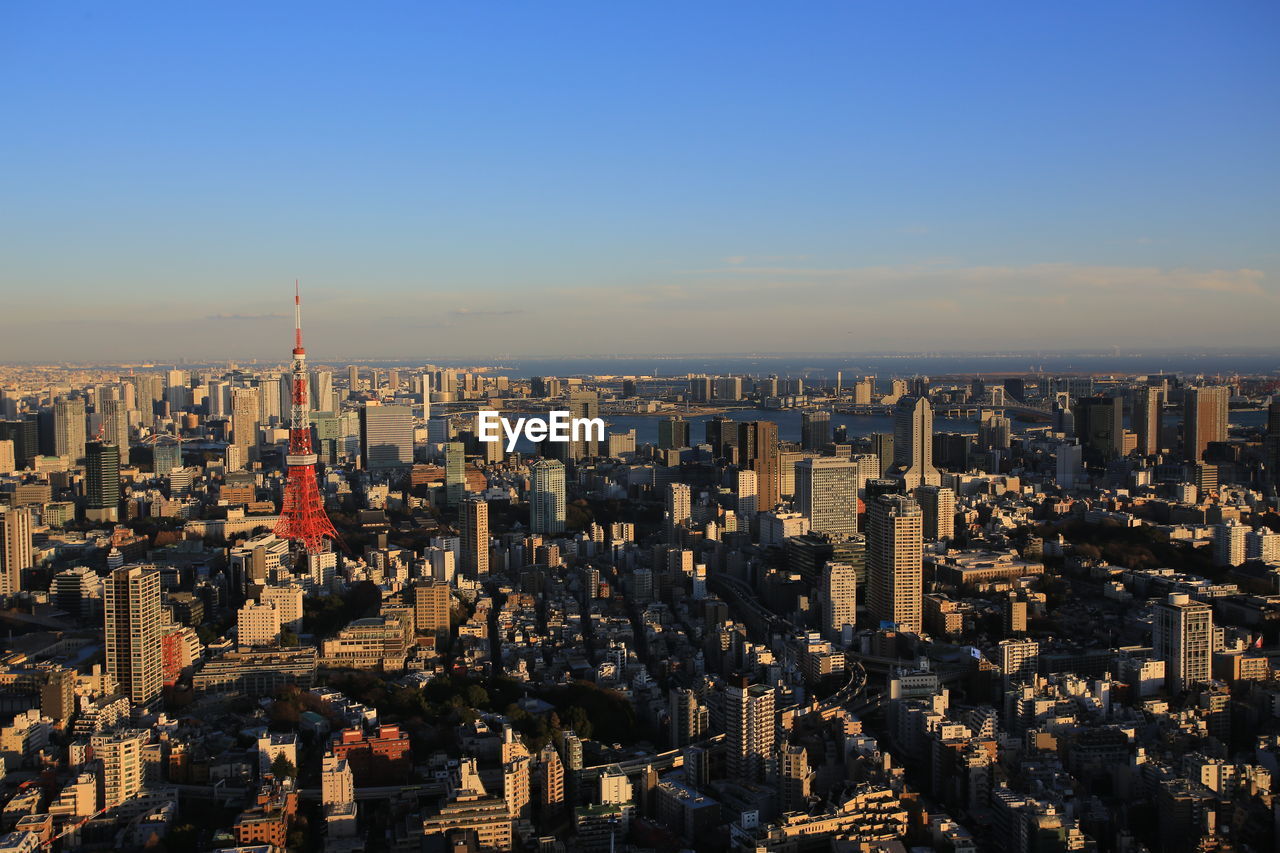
<point x="131" y="601"/>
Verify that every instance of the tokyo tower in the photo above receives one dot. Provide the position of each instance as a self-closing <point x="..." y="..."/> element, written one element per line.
<point x="302" y="519"/>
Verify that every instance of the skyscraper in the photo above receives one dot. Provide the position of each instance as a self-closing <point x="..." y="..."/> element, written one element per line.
<point x="746" y="493"/>
<point x="1204" y="418"/>
<point x="722" y="434"/>
<point x="584" y="404"/>
<point x="245" y="418"/>
<point x="673" y="432"/>
<point x="895" y="553"/>
<point x="839" y="599"/>
<point x="68" y="428"/>
<point x="115" y="425"/>
<point x="1146" y="419"/>
<point x="679" y="509"/>
<point x="827" y="494"/>
<point x="758" y="450"/>
<point x="131" y="600"/>
<point x="475" y="538"/>
<point x="815" y="430"/>
<point x="938" y="504"/>
<point x="455" y="473"/>
<point x="386" y="437"/>
<point x="102" y="481"/>
<point x="1100" y="426"/>
<point x="16" y="552"/>
<point x="913" y="443"/>
<point x="547" y="497"/>
<point x="882" y="447"/>
<point x="1182" y="637"/>
<point x="750" y="729"/>
<point x="25" y="435"/>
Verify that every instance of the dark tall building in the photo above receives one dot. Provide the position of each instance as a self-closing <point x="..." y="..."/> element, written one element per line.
<point x="1145" y="417"/>
<point x="1204" y="418"/>
<point x="628" y="388"/>
<point x="882" y="447"/>
<point x="758" y="450"/>
<point x="815" y="430"/>
<point x="1100" y="426"/>
<point x="25" y="435"/>
<point x="721" y="434"/>
<point x="951" y="450"/>
<point x="1015" y="389"/>
<point x="672" y="433"/>
<point x="102" y="481"/>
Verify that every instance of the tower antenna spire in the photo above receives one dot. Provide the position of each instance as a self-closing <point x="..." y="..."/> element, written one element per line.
<point x="297" y="316"/>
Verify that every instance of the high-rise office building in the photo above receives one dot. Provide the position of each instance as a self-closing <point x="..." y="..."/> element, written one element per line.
<point x="25" y="435"/>
<point x="16" y="553"/>
<point x="115" y="425"/>
<point x="882" y="448"/>
<point x="673" y="432"/>
<point x="1146" y="419"/>
<point x="758" y="450"/>
<point x="938" y="504"/>
<point x="131" y="601"/>
<point x="839" y="599"/>
<point x="102" y="481"/>
<point x="455" y="473"/>
<point x="584" y="404"/>
<point x="815" y="430"/>
<point x="246" y="410"/>
<point x="69" y="428"/>
<point x="827" y="494"/>
<point x="322" y="391"/>
<point x="547" y="496"/>
<point x="913" y="443"/>
<point x="750" y="729"/>
<point x="1100" y="426"/>
<point x="1182" y="637"/>
<point x="386" y="437"/>
<point x="722" y="434"/>
<point x="1204" y="418"/>
<point x="269" y="400"/>
<point x="474" y="516"/>
<point x="895" y="554"/>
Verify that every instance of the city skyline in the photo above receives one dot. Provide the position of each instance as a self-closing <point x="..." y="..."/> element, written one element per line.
<point x="635" y="181"/>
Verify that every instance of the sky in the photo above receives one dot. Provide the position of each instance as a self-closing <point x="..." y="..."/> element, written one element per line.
<point x="479" y="180"/>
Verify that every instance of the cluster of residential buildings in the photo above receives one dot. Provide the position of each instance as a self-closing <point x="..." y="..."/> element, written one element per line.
<point x="1047" y="626"/>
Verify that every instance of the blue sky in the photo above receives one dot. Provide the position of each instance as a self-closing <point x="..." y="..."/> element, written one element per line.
<point x="474" y="179"/>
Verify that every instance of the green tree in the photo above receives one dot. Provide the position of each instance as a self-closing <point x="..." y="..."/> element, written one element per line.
<point x="282" y="767"/>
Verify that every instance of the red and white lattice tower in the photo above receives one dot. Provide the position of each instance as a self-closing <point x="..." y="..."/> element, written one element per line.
<point x="302" y="519"/>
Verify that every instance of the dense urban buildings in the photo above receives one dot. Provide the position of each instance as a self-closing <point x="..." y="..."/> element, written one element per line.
<point x="965" y="612"/>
